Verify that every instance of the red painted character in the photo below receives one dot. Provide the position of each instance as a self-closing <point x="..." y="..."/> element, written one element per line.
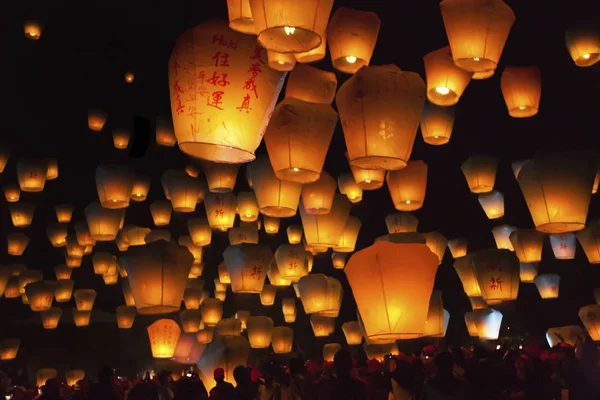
<point x="218" y="80"/>
<point x="221" y="59"/>
<point x="216" y="100"/>
<point x="245" y="104"/>
<point x="496" y="283"/>
<point x="256" y="272"/>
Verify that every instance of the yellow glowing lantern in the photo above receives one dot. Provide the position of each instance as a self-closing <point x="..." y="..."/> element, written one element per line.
<point x="196" y="270"/>
<point x="480" y="172"/>
<point x="205" y="334"/>
<point x="165" y="134"/>
<point x="347" y="241"/>
<point x="125" y="316"/>
<point x="477" y="32"/>
<point x="220" y="210"/>
<point x="81" y="318"/>
<point x="329" y="351"/>
<point x="163" y="335"/>
<point x="188" y="350"/>
<point x="311" y="85"/>
<point x="563" y="245"/>
<point x="281" y="61"/>
<point x="275" y="277"/>
<point x="220" y="177"/>
<point x="200" y="231"/>
<point x="9" y="348"/>
<point x="320" y="294"/>
<point x="488" y="322"/>
<point x="380" y="110"/>
<point x="492" y="204"/>
<point x="64" y="213"/>
<point x="51" y="317"/>
<point x="528" y="272"/>
<point x="84" y="299"/>
<point x="260" y="331"/>
<point x="436" y="124"/>
<point x="326" y="229"/>
<point x="129" y="77"/>
<point x="73" y="247"/>
<point x="63" y="290"/>
<point x="114" y="185"/>
<point x="294" y="234"/>
<point x="547" y="285"/>
<point x="121" y="138"/>
<point x="103" y="262"/>
<point x="32" y="175"/>
<point x="458" y="247"/>
<point x="40" y="295"/>
<point x="224" y="277"/>
<point x="136" y="234"/>
<point x="408" y="186"/>
<point x="21" y="213"/>
<point x="247" y="265"/>
<point x="317" y="197"/>
<point x="12" y="289"/>
<point x="502" y="236"/>
<point x="230" y="121"/>
<point x="276" y="198"/>
<point x="267" y="296"/>
<point x="240" y="16"/>
<point x="33" y="31"/>
<point x="288" y="307"/>
<point x="193" y="297"/>
<point x="12" y="192"/>
<point x="471" y="324"/>
<point x="352" y="333"/>
<point x="401" y="222"/>
<point x="466" y="272"/>
<point x="528" y="244"/>
<point x="437" y="243"/>
<point x="62" y="272"/>
<point x="183" y="190"/>
<point x="271" y="224"/>
<point x="82" y="231"/>
<point x="282" y="339"/>
<point x="590" y="317"/>
<point x="350" y="188"/>
<point x="437" y="318"/>
<point x="583" y="44"/>
<point x="141" y="186"/>
<point x="477" y="302"/>
<point x="291" y="261"/>
<point x="16" y="243"/>
<point x="52" y="171"/>
<point x="229" y="327"/>
<point x="190" y="320"/>
<point x="589" y="239"/>
<point x="161" y="212"/>
<point x="557" y="188"/>
<point x="43" y="375"/>
<point x="446" y="82"/>
<point x="247" y="207"/>
<point x="338" y="260"/>
<point x="322" y="326"/>
<point x="96" y="119"/>
<point x="522" y="90"/>
<point x="368" y="179"/>
<point x="497" y="272"/>
<point x="212" y="311"/>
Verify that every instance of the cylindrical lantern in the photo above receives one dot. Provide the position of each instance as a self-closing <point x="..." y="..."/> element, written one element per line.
<point x="311" y="84"/>
<point x="281" y="61"/>
<point x="477" y="32"/>
<point x="317" y="197"/>
<point x="40" y="295"/>
<point x="590" y="316"/>
<point x="247" y="207"/>
<point x="563" y="245"/>
<point x="410" y="269"/>
<point x="458" y="247"/>
<point x="497" y="272"/>
<point x="350" y="188"/>
<point x="271" y="224"/>
<point x="114" y="185"/>
<point x="125" y="316"/>
<point x="63" y="290"/>
<point x="294" y="234"/>
<point x="247" y="265"/>
<point x="338" y="260"/>
<point x="401" y="222"/>
<point x="528" y="245"/>
<point x="352" y="333"/>
<point x="480" y="172"/>
<point x="267" y="296"/>
<point x="329" y="351"/>
<point x="220" y="177"/>
<point x="282" y="339"/>
<point x="407" y="186"/>
<point x="240" y="16"/>
<point x="227" y="124"/>
<point x="43" y="375"/>
<point x="21" y="213"/>
<point x="347" y="241"/>
<point x="121" y="138"/>
<point x="351" y="36"/>
<point x="373" y="95"/>
<point x="322" y="326"/>
<point x="212" y="311"/>
<point x="165" y="134"/>
<point x="103" y="223"/>
<point x="32" y="175"/>
<point x="220" y="210"/>
<point x="276" y="198"/>
<point x="488" y="322"/>
<point x="260" y="331"/>
<point x="64" y="212"/>
<point x="141" y="186"/>
<point x="229" y="327"/>
<point x="190" y="320"/>
<point x="492" y="204"/>
<point x="502" y="236"/>
<point x="583" y="45"/>
<point x="436" y="124"/>
<point x="73" y="247"/>
<point x="81" y="318"/>
<point x="96" y="119"/>
<point x="12" y="192"/>
<point x="446" y="82"/>
<point x="184" y="191"/>
<point x="522" y="90"/>
<point x="84" y="299"/>
<point x="557" y="188"/>
<point x="163" y="335"/>
<point x="51" y="317"/>
<point x="437" y="243"/>
<point x="466" y="272"/>
<point x="200" y="231"/>
<point x="291" y="261"/>
<point x="16" y="243"/>
<point x="528" y="272"/>
<point x="288" y="307"/>
<point x="326" y="229"/>
<point x="547" y="285"/>
<point x="589" y="239"/>
<point x="320" y="294"/>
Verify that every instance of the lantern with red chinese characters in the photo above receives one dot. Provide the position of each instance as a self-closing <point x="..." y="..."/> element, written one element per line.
<point x="163" y="335"/>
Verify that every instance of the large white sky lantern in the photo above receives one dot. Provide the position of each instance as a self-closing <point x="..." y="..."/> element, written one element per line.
<point x="222" y="93"/>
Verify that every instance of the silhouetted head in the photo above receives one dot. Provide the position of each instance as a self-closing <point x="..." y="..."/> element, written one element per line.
<point x="241" y="375"/>
<point x="51" y="387"/>
<point x="342" y="362"/>
<point x="219" y="374"/>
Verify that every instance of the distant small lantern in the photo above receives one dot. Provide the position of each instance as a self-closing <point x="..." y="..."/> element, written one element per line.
<point x="326" y="229"/>
<point x="11" y="291"/>
<point x="12" y="192"/>
<point x="557" y="188"/>
<point x="247" y="207"/>
<point x="352" y="35"/>
<point x="590" y="317"/>
<point x="288" y="307"/>
<point x="281" y="61"/>
<point x="322" y="326"/>
<point x="9" y="348"/>
<point x="40" y="295"/>
<point x="338" y="260"/>
<point x="33" y="30"/>
<point x="260" y="332"/>
<point x="184" y="191"/>
<point x="383" y="91"/>
<point x="466" y="272"/>
<point x="84" y="299"/>
<point x="64" y="213"/>
<point x="584" y="46"/>
<point x="43" y="375"/>
<point x="477" y="303"/>
<point x="352" y="333"/>
<point x="347" y="242"/>
<point x="224" y="277"/>
<point x="437" y="123"/>
<point x="17" y="243"/>
<point x="163" y="335"/>
<point x="111" y="278"/>
<point x="329" y="351"/>
<point x="311" y="85"/>
<point x="240" y="16"/>
<point x="589" y="239"/>
<point x="96" y="119"/>
<point x="401" y="222"/>
<point x="563" y="245"/>
<point x="488" y="322"/>
<point x="63" y="290"/>
<point x="52" y="171"/>
<point x="62" y="272"/>
<point x="161" y="212"/>
<point x="193" y="297"/>
<point x="51" y="317"/>
<point x="320" y="294"/>
<point x="350" y="188"/>
<point x="528" y="244"/>
<point x="121" y="138"/>
<point x="522" y="90"/>
<point x="21" y="213"/>
<point x="212" y="311"/>
<point x="528" y="272"/>
<point x="136" y="234"/>
<point x="129" y="77"/>
<point x="497" y="272"/>
<point x="271" y="224"/>
<point x="317" y="197"/>
<point x="276" y="198"/>
<point x="200" y="231"/>
<point x="125" y="316"/>
<point x="114" y="185"/>
<point x="141" y="186"/>
<point x="229" y="327"/>
<point x="492" y="204"/>
<point x="294" y="234"/>
<point x="73" y="261"/>
<point x="267" y="296"/>
<point x="32" y="175"/>
<point x="446" y="82"/>
<point x="221" y="178"/>
<point x="547" y="285"/>
<point x="291" y="261"/>
<point x="247" y="266"/>
<point x="282" y="339"/>
<point x="190" y="320"/>
<point x="220" y="210"/>
<point x="82" y="231"/>
<point x="502" y="236"/>
<point x="477" y="32"/>
<point x="103" y="262"/>
<point x="437" y="243"/>
<point x="165" y="134"/>
<point x="81" y="318"/>
<point x="275" y="277"/>
<point x="480" y="172"/>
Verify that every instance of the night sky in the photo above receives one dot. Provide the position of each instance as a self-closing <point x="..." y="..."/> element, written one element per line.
<point x="80" y="61"/>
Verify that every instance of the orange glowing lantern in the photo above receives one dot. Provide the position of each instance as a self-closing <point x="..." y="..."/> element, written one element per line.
<point x="547" y="285"/>
<point x="17" y="243"/>
<point x="247" y="265"/>
<point x="63" y="290"/>
<point x="502" y="236"/>
<point x="121" y="138"/>
<point x="129" y="77"/>
<point x="12" y="192"/>
<point x="84" y="299"/>
<point x="165" y="133"/>
<point x="528" y="245"/>
<point x="326" y="229"/>
<point x="291" y="261"/>
<point x="480" y="172"/>
<point x="522" y="90"/>
<point x="240" y="16"/>
<point x="436" y="124"/>
<point x="437" y="243"/>
<point x="260" y="332"/>
<point x="190" y="320"/>
<point x="350" y="188"/>
<point x="282" y="339"/>
<point x="408" y="185"/>
<point x="329" y="351"/>
<point x="33" y="31"/>
<point x="21" y="213"/>
<point x="184" y="191"/>
<point x="488" y="322"/>
<point x="281" y="61"/>
<point x="40" y="295"/>
<point x="32" y="175"/>
<point x="136" y="234"/>
<point x="347" y="241"/>
<point x="212" y="311"/>
<point x="163" y="335"/>
<point x="81" y="318"/>
<point x="220" y="210"/>
<point x="229" y="327"/>
<point x="52" y="171"/>
<point x="294" y="234"/>
<point x="64" y="213"/>
<point x="437" y="318"/>
<point x="276" y="198"/>
<point x="466" y="272"/>
<point x="317" y="197"/>
<point x="458" y="247"/>
<point x="247" y="207"/>
<point x="583" y="44"/>
<point x="352" y="333"/>
<point x="529" y="271"/>
<point x="4" y="156"/>
<point x="368" y="179"/>
<point x="320" y="294"/>
<point x="200" y="231"/>
<point x="492" y="204"/>
<point x="563" y="246"/>
<point x="51" y="317"/>
<point x="497" y="272"/>
<point x="9" y="348"/>
<point x="96" y="119"/>
<point x="62" y="272"/>
<point x="220" y="177"/>
<point x="288" y="307"/>
<point x="271" y="224"/>
<point x="161" y="212"/>
<point x="114" y="185"/>
<point x="338" y="260"/>
<point x="311" y="85"/>
<point x="267" y="296"/>
<point x="446" y="82"/>
<point x="43" y="375"/>
<point x="125" y="316"/>
<point x="141" y="186"/>
<point x="322" y="326"/>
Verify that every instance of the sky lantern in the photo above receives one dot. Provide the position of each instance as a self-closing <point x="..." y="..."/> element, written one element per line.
<point x="195" y="251"/>
<point x="163" y="335"/>
<point x="563" y="245"/>
<point x="188" y="350"/>
<point x="288" y="307"/>
<point x="338" y="260"/>
<point x="282" y="339"/>
<point x="233" y="114"/>
<point x="21" y="213"/>
<point x="322" y="326"/>
<point x="317" y="197"/>
<point x="32" y="175"/>
<point x="11" y="290"/>
<point x="271" y="224"/>
<point x="320" y="294"/>
<point x="63" y="290"/>
<point x="136" y="234"/>
<point x="589" y="239"/>
<point x="220" y="210"/>
<point x="184" y="191"/>
<point x="528" y="272"/>
<point x="16" y="243"/>
<point x="291" y="261"/>
<point x="240" y="16"/>
<point x="557" y="188"/>
<point x="192" y="171"/>
<point x="480" y="172"/>
<point x="267" y="296"/>
<point x="200" y="231"/>
<point x="212" y="311"/>
<point x="165" y="133"/>
<point x="294" y="234"/>
<point x="111" y="278"/>
<point x="243" y="234"/>
<point x="9" y="347"/>
<point x="477" y="303"/>
<point x="103" y="262"/>
<point x="298" y="138"/>
<point x="497" y="272"/>
<point x="84" y="299"/>
<point x="51" y="317"/>
<point x="229" y="327"/>
<point x="52" y="171"/>
<point x="129" y="78"/>
<point x="347" y="241"/>
<point x="488" y="322"/>
<point x="220" y="177"/>
<point x="437" y="243"/>
<point x="73" y="261"/>
<point x="247" y="265"/>
<point x="141" y="186"/>
<point x="161" y="211"/>
<point x="125" y="316"/>
<point x="410" y="269"/>
<point x="32" y="29"/>
<point x="290" y="27"/>
<point x="190" y="320"/>
<point x="502" y="236"/>
<point x="492" y="204"/>
<point x="73" y="247"/>
<point x="367" y="179"/>
<point x="260" y="331"/>
<point x="446" y="82"/>
<point x="547" y="285"/>
<point x="522" y="90"/>
<point x="43" y="375"/>
<point x="352" y="35"/>
<point x="436" y="124"/>
<point x="12" y="192"/>
<point x="157" y="274"/>
<point x="82" y="231"/>
<point x="329" y="351"/>
<point x="121" y="138"/>
<point x="572" y="335"/>
<point x="376" y="94"/>
<point x="350" y="188"/>
<point x="40" y="295"/>
<point x="61" y="271"/>
<point x="437" y="318"/>
<point x="352" y="333"/>
<point x="114" y="185"/>
<point x="378" y="351"/>
<point x="275" y="277"/>
<point x="224" y="276"/>
<point x="326" y="229"/>
<point x="205" y="334"/>
<point x="247" y="206"/>
<point x="583" y="45"/>
<point x="64" y="212"/>
<point x="276" y="198"/>
<point x="590" y="317"/>
<point x="528" y="244"/>
<point x="466" y="272"/>
<point x="96" y="119"/>
<point x="193" y="296"/>
<point x="399" y="222"/>
<point x="281" y="61"/>
<point x="477" y="32"/>
<point x="407" y="186"/>
<point x="311" y="85"/>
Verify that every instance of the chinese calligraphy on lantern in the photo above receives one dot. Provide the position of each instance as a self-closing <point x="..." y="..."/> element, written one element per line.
<point x="256" y="272"/>
<point x="496" y="283"/>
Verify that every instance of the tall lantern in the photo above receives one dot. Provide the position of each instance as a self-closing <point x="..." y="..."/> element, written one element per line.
<point x="458" y="247"/>
<point x="436" y="124"/>
<point x="140" y="188"/>
<point x="12" y="192"/>
<point x="32" y="175"/>
<point x="212" y="311"/>
<point x="487" y="321"/>
<point x="165" y="133"/>
<point x="436" y="323"/>
<point x="376" y="94"/>
<point x="352" y="35"/>
<point x="522" y="90"/>
<point x="528" y="272"/>
<point x="547" y="285"/>
<point x="294" y="234"/>
<point x="220" y="177"/>
<point x="352" y="333"/>
<point x="590" y="316"/>
<point x="290" y="27"/>
<point x="267" y="296"/>
<point x="408" y="186"/>
<point x="498" y="273"/>
<point x="227" y="124"/>
<point x="63" y="290"/>
<point x="311" y="85"/>
<point x="247" y="207"/>
<point x="477" y="31"/>
<point x="96" y="119"/>
<point x="401" y="222"/>
<point x="161" y="212"/>
<point x="260" y="331"/>
<point x="125" y="316"/>
<point x="298" y="138"/>
<point x="40" y="295"/>
<point x="240" y="16"/>
<point x="563" y="245"/>
<point x="492" y="204"/>
<point x="589" y="239"/>
<point x="347" y="242"/>
<point x="409" y="269"/>
<point x="480" y="172"/>
<point x="350" y="188"/>
<point x="317" y="197"/>
<point x="291" y="261"/>
<point x="322" y="326"/>
<point x="51" y="317"/>
<point x="103" y="223"/>
<point x="557" y="188"/>
<point x="157" y="274"/>
<point x="184" y="191"/>
<point x="276" y="198"/>
<point x="247" y="265"/>
<point x="220" y="210"/>
<point x="288" y="308"/>
<point x="282" y="339"/>
<point x="326" y="229"/>
<point x="114" y="185"/>
<point x="502" y="236"/>
<point x="466" y="273"/>
<point x="163" y="335"/>
<point x="21" y="213"/>
<point x="121" y="138"/>
<point x="446" y="82"/>
<point x="16" y="243"/>
<point x="583" y="45"/>
<point x="437" y="243"/>
<point x="528" y="244"/>
<point x="200" y="231"/>
<point x="320" y="294"/>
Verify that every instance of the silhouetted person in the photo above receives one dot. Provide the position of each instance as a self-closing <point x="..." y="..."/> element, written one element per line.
<point x="403" y="381"/>
<point x="345" y="387"/>
<point x="223" y="390"/>
<point x="243" y="390"/>
<point x="105" y="388"/>
<point x="188" y="389"/>
<point x="164" y="392"/>
<point x="444" y="386"/>
<point x="51" y="390"/>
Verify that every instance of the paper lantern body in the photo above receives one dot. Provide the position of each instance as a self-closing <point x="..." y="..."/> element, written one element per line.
<point x="347" y="241"/>
<point x="33" y="31"/>
<point x="243" y="234"/>
<point x="267" y="296"/>
<point x="44" y="374"/>
<point x="528" y="245"/>
<point x="437" y="320"/>
<point x="96" y="119"/>
<point x="184" y="191"/>
<point x="190" y="320"/>
<point x="584" y="46"/>
<point x="4" y="155"/>
<point x="165" y="134"/>
<point x="377" y="134"/>
<point x="294" y="234"/>
<point x="40" y="295"/>
<point x="158" y="274"/>
<point x="220" y="177"/>
<point x="408" y="186"/>
<point x="492" y="204"/>
<point x="471" y="325"/>
<point x="528" y="272"/>
<point x="282" y="339"/>
<point x="136" y="234"/>
<point x="522" y="90"/>
<point x="84" y="299"/>
<point x="281" y="61"/>
<point x="502" y="236"/>
<point x="436" y="124"/>
<point x="458" y="247"/>
<point x="477" y="31"/>
<point x="52" y="171"/>
<point x="275" y="277"/>
<point x="200" y="231"/>
<point x="446" y="82"/>
<point x="466" y="272"/>
<point x="378" y="351"/>
<point x="497" y="272"/>
<point x="260" y="331"/>
<point x="103" y="223"/>
<point x="114" y="185"/>
<point x="247" y="206"/>
<point x="163" y="335"/>
<point x="141" y="186"/>
<point x="63" y="290"/>
<point x="350" y="188"/>
<point x="12" y="192"/>
<point x="288" y="307"/>
<point x="247" y="266"/>
<point x="121" y="138"/>
<point x="81" y="318"/>
<point x="352" y="333"/>
<point x="212" y="311"/>
<point x="317" y="197"/>
<point x="488" y="323"/>
<point x="311" y="85"/>
<point x="32" y="175"/>
<point x="320" y="294"/>
<point x="401" y="222"/>
<point x="61" y="271"/>
<point x="338" y="260"/>
<point x="51" y="317"/>
<point x="21" y="213"/>
<point x="229" y="327"/>
<point x="240" y="16"/>
<point x="557" y="188"/>
<point x="64" y="212"/>
<point x="326" y="229"/>
<point x="322" y="326"/>
<point x="125" y="316"/>
<point x="9" y="348"/>
<point x="547" y="285"/>
<point x="220" y="210"/>
<point x="590" y="316"/>
<point x="225" y="124"/>
<point x="276" y="198"/>
<point x="291" y="261"/>
<point x="480" y="172"/>
<point x="563" y="246"/>
<point x="367" y="179"/>
<point x="589" y="239"/>
<point x="329" y="351"/>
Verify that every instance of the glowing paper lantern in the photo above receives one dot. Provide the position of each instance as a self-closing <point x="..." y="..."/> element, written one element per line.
<point x="51" y="317"/>
<point x="220" y="210"/>
<point x="231" y="118"/>
<point x="281" y="61"/>
<point x="275" y="277"/>
<point x="33" y="31"/>
<point x="589" y="239"/>
<point x="584" y="46"/>
<point x="200" y="231"/>
<point x="103" y="223"/>
<point x="205" y="334"/>
<point x="497" y="272"/>
<point x="183" y="190"/>
<point x="103" y="262"/>
<point x="557" y="188"/>
<point x="401" y="222"/>
<point x="243" y="234"/>
<point x="291" y="261"/>
<point x="260" y="331"/>
<point x="407" y="186"/>
<point x="326" y="229"/>
<point x="458" y="247"/>
<point x="350" y="188"/>
<point x="121" y="138"/>
<point x="352" y="333"/>
<point x="477" y="303"/>
<point x="437" y="243"/>
<point x="347" y="241"/>
<point x="317" y="197"/>
<point x="480" y="172"/>
<point x="163" y="335"/>
<point x="320" y="294"/>
<point x="477" y="32"/>
<point x="114" y="185"/>
<point x="528" y="245"/>
<point x="351" y="35"/>
<point x="220" y="177"/>
<point x="384" y="90"/>
<point x="378" y="351"/>
<point x="267" y="296"/>
<point x="282" y="339"/>
<point x="64" y="213"/>
<point x="156" y="235"/>
<point x="136" y="234"/>
<point x="294" y="234"/>
<point x="240" y="16"/>
<point x="82" y="232"/>
<point x="141" y="186"/>
<point x="193" y="297"/>
<point x="466" y="272"/>
<point x="84" y="299"/>
<point x="488" y="322"/>
<point x="32" y="175"/>
<point x="322" y="326"/>
<point x="276" y="198"/>
<point x="329" y="351"/>
<point x="547" y="285"/>
<point x="40" y="295"/>
<point x="247" y="207"/>
<point x="271" y="224"/>
<point x="563" y="246"/>
<point x="288" y="307"/>
<point x="12" y="192"/>
<point x="590" y="316"/>
<point x="9" y="348"/>
<point x="11" y="290"/>
<point x="21" y="213"/>
<point x="436" y="124"/>
<point x="73" y="261"/>
<point x="502" y="236"/>
<point x="492" y="204"/>
<point x="338" y="260"/>
<point x="125" y="316"/>
<point x="367" y="179"/>
<point x="190" y="320"/>
<point x="446" y="82"/>
<point x="52" y="171"/>
<point x="316" y="54"/>
<point x="311" y="85"/>
<point x="212" y="311"/>
<point x="43" y="375"/>
<point x="62" y="272"/>
<point x="229" y="327"/>
<point x="63" y="290"/>
<point x="522" y="90"/>
<point x="188" y="350"/>
<point x="528" y="272"/>
<point x="96" y="119"/>
<point x="247" y="266"/>
<point x="81" y="318"/>
<point x="16" y="243"/>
